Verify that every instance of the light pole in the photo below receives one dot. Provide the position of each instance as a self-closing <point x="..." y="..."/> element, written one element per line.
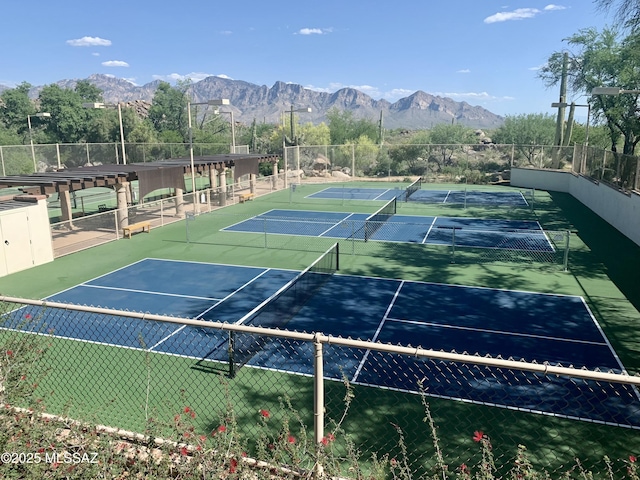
<point x="233" y="130"/>
<point x="33" y="152"/>
<point x="611" y="91"/>
<point x="110" y="105"/>
<point x="216" y="102"/>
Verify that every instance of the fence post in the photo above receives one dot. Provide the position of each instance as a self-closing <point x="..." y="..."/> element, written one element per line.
<point x="2" y="160"/>
<point x="453" y="245"/>
<point x="353" y="161"/>
<point x="318" y="402"/>
<point x="566" y="252"/>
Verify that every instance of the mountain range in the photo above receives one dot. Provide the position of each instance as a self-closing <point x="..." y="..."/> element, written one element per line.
<point x="249" y="101"/>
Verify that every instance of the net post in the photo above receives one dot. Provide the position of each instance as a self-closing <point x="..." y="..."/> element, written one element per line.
<point x="566" y="252"/>
<point x="453" y="245"/>
<point x="230" y="350"/>
<point x="264" y="228"/>
<point x="337" y="256"/>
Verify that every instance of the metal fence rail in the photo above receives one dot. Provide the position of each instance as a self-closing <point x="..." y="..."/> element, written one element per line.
<point x="105" y="366"/>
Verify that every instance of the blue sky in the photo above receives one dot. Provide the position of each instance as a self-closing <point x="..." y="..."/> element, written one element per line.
<point x="484" y="52"/>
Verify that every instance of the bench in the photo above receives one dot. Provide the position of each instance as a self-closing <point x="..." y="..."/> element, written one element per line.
<point x="243" y="197"/>
<point x="129" y="229"/>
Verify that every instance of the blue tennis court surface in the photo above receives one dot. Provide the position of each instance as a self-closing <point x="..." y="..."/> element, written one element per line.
<point x="556" y="329"/>
<point x="466" y="232"/>
<point x="469" y="197"/>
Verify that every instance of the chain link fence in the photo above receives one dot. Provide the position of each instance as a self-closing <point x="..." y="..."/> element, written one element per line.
<point x="471" y="164"/>
<point x="21" y="160"/>
<point x="358" y="407"/>
<point x="97" y="220"/>
<point x="469" y="245"/>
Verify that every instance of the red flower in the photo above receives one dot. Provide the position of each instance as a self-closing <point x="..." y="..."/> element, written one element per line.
<point x="27" y="316"/>
<point x="233" y="466"/>
<point x="478" y="435"/>
<point x="328" y="439"/>
<point x="291" y="439"/>
<point x="264" y="413"/>
<point x="221" y="428"/>
<point x="632" y="458"/>
<point x="184" y="452"/>
<point x="464" y="468"/>
<point x="9" y="353"/>
<point x="187" y="409"/>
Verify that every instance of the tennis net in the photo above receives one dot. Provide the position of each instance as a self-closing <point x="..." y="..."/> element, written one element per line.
<point x="277" y="310"/>
<point x="413" y="188"/>
<point x="375" y="220"/>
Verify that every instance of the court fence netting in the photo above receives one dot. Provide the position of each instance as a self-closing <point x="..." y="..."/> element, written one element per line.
<point x="348" y="405"/>
<point x="373" y="236"/>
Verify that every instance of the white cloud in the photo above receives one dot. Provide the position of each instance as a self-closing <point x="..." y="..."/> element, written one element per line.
<point x="552" y="7"/>
<point x="374" y="92"/>
<point x="521" y="13"/>
<point x="193" y="76"/>
<point x="89" y="42"/>
<point x="313" y="31"/>
<point x="517" y="14"/>
<point x="464" y="70"/>
<point x="115" y="63"/>
<point x="226" y="32"/>
<point x="95" y="54"/>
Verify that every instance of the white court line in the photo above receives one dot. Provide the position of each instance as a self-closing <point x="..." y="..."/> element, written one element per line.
<point x="335" y="225"/>
<point x="148" y="292"/>
<point x="430" y="228"/>
<point x="213" y="306"/>
<point x="497" y="332"/>
<point x="383" y="193"/>
<point x="377" y="333"/>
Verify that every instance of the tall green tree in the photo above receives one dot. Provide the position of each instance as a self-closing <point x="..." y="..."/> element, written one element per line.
<point x="345" y="128"/>
<point x="69" y="119"/>
<point x="526" y="132"/>
<point x="603" y="59"/>
<point x="168" y="112"/>
<point x="15" y="107"/>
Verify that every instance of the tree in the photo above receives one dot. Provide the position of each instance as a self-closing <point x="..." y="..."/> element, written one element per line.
<point x="168" y="112"/>
<point x="526" y="132"/>
<point x="603" y="59"/>
<point x="627" y="11"/>
<point x="15" y="106"/>
<point x="343" y="127"/>
<point x="69" y="120"/>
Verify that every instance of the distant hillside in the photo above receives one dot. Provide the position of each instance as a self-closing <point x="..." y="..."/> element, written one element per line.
<point x="266" y="104"/>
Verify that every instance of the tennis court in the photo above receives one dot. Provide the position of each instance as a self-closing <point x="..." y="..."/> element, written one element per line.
<point x="557" y="329"/>
<point x="387" y="226"/>
<point x="415" y="194"/>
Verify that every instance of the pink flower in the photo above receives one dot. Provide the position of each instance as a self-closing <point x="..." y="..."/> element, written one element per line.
<point x="264" y="413"/>
<point x="478" y="435"/>
<point x="291" y="439"/>
<point x="632" y="458"/>
<point x="328" y="439"/>
<point x="220" y="429"/>
<point x="184" y="452"/>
